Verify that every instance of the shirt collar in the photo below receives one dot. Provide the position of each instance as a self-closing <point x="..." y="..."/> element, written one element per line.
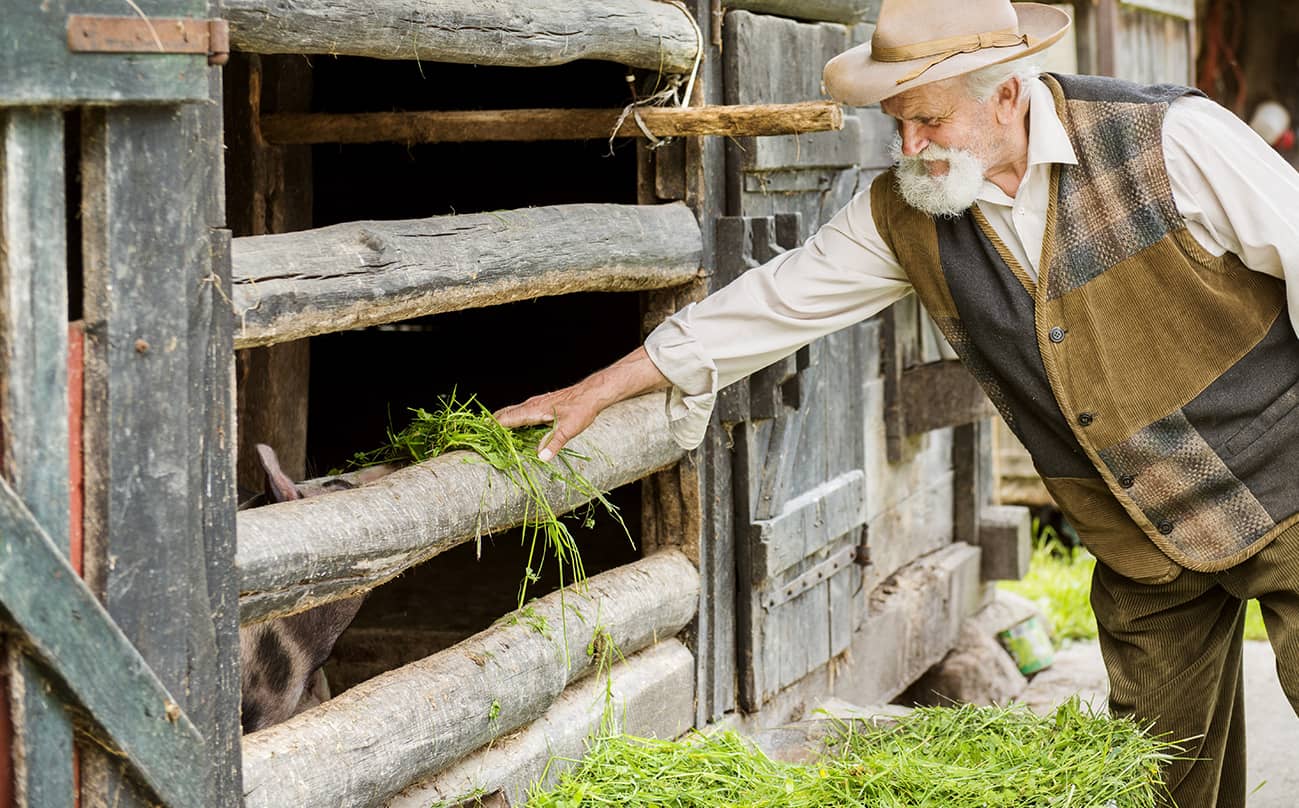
<point x="1048" y="142"/>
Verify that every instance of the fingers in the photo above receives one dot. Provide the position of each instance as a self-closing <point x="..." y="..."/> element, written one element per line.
<point x="551" y="444"/>
<point x="536" y="410"/>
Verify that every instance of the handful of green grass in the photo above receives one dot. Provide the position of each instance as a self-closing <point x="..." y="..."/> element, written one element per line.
<point x="936" y="757"/>
<point x="468" y="425"/>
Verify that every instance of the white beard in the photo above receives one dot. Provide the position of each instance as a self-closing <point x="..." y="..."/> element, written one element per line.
<point x="946" y="195"/>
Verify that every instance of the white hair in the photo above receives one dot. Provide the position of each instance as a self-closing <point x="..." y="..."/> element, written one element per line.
<point x="982" y="84"/>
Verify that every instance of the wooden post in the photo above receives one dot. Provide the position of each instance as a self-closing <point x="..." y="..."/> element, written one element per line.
<point x="1107" y="37"/>
<point x="270" y="191"/>
<point x="33" y="385"/>
<point x="159" y="504"/>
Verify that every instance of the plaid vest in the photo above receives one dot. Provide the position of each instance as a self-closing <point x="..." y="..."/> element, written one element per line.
<point x="1155" y="385"/>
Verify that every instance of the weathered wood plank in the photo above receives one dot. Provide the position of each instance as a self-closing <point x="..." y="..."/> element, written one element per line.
<point x="519" y="33"/>
<point x="652" y="697"/>
<point x="941" y="394"/>
<point x="147" y="199"/>
<point x="33" y="382"/>
<point x="295" y="285"/>
<point x="526" y="125"/>
<point x="848" y="12"/>
<point x="807" y="523"/>
<point x="377" y="738"/>
<point x="1005" y="537"/>
<point x="125" y="705"/>
<point x="36" y="67"/>
<point x="296" y="555"/>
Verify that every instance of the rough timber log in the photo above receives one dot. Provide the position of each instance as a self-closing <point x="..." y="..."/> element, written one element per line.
<point x="651" y="695"/>
<point x="295" y="555"/>
<point x="526" y="125"/>
<point x="519" y="33"/>
<point x="293" y="285"/>
<point x="377" y="738"/>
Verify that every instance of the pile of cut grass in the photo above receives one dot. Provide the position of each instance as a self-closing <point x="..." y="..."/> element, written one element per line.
<point x="468" y="425"/>
<point x="934" y="758"/>
<point x="1059" y="582"/>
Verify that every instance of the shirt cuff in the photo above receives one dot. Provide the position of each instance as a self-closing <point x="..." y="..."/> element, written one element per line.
<point x="679" y="357"/>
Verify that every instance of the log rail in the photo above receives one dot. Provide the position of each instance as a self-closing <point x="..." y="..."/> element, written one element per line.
<point x="293" y="285"/>
<point x="647" y="34"/>
<point x="295" y="555"/>
<point x="370" y="742"/>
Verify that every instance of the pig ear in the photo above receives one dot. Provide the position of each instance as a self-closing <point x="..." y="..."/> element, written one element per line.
<point x="278" y="485"/>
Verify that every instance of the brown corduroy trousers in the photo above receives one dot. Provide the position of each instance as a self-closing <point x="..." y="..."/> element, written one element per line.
<point x="1173" y="653"/>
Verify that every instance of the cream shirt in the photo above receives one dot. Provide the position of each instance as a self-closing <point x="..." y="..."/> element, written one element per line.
<point x="1235" y="192"/>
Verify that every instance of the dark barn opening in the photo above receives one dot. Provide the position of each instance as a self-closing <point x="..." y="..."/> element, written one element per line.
<point x="363" y="381"/>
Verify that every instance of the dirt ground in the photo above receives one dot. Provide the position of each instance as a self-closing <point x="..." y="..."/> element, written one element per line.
<point x="1272" y="727"/>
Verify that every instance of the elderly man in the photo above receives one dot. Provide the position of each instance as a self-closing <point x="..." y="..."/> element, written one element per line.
<point x="1111" y="262"/>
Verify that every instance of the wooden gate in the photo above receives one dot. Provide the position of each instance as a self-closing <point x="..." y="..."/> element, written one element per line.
<point x="111" y="209"/>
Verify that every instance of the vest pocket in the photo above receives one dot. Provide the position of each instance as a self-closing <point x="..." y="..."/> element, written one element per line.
<point x="1284" y="406"/>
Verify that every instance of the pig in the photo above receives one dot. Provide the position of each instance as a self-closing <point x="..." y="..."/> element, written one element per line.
<point x="280" y="660"/>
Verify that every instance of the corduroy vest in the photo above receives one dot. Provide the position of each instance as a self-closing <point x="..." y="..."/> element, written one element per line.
<point x="1155" y="385"/>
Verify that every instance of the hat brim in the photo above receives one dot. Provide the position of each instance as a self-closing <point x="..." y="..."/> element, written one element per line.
<point x="856" y="79"/>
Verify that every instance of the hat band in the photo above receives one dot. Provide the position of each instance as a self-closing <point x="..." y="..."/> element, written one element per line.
<point x="944" y="49"/>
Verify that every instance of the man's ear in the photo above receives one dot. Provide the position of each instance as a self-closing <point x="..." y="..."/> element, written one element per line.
<point x="1007" y="100"/>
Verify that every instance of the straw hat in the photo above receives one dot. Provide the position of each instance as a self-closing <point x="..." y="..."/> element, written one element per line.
<point x="921" y="41"/>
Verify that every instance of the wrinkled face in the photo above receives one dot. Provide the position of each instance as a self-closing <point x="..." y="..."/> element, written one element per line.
<point x="944" y="146"/>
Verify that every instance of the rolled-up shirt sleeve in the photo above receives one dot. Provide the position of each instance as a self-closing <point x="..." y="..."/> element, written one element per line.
<point x="1235" y="192"/>
<point x="843" y="274"/>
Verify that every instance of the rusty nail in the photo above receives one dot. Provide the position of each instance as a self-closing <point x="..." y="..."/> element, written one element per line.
<point x="141" y="346"/>
<point x="172" y="710"/>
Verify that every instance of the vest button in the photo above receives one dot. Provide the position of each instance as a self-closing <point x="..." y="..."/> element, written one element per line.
<point x="1056" y="334"/>
<point x="1086" y="418"/>
<point x="1165" y="527"/>
<point x="1127" y="481"/>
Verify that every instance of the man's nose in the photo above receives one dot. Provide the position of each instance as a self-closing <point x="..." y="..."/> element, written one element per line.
<point x="913" y="142"/>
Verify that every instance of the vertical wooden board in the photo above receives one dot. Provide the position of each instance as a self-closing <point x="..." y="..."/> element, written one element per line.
<point x="846" y="608"/>
<point x="33" y="379"/>
<point x="147" y="256"/>
<point x="212" y="473"/>
<point x="795" y="639"/>
<point x="705" y="193"/>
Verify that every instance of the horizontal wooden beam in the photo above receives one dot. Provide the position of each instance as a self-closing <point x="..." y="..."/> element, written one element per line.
<point x="295" y="285"/>
<point x="519" y="33"/>
<point x="117" y="697"/>
<point x="844" y="11"/>
<point x="525" y="125"/>
<point x="650" y="695"/>
<point x="295" y="555"/>
<point x="400" y="727"/>
<point x="941" y="394"/>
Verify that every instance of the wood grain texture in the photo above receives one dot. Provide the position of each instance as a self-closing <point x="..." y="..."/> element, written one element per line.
<point x="842" y="11"/>
<point x="652" y="697"/>
<point x="147" y="203"/>
<point x="295" y="285"/>
<point x="382" y="735"/>
<point x="123" y="704"/>
<point x="524" y="125"/>
<point x="33" y="384"/>
<point x="36" y="67"/>
<point x="295" y="555"/>
<point x="520" y="33"/>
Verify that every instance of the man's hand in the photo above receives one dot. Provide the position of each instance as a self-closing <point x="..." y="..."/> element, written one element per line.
<point x="572" y="409"/>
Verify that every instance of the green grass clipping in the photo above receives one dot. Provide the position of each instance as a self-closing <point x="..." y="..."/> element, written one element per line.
<point x="937" y="757"/>
<point x="469" y="426"/>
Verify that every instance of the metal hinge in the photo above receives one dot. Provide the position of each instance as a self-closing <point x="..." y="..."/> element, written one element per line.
<point x="89" y="33"/>
<point x="822" y="572"/>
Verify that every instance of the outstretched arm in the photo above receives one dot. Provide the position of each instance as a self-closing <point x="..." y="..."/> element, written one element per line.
<point x="572" y="409"/>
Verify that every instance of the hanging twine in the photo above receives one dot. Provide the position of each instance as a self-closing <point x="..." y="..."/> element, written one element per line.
<point x="669" y="94"/>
